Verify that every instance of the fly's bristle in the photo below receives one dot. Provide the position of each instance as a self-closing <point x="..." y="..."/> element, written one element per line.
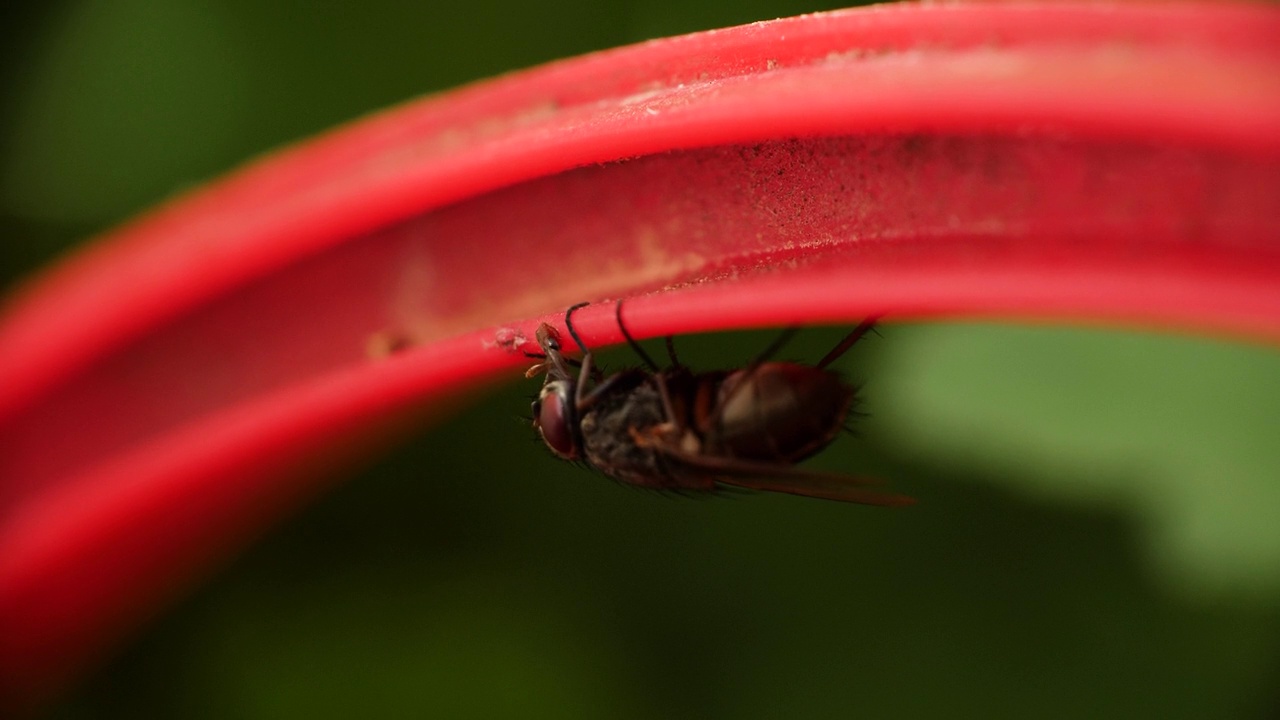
<point x="852" y="416"/>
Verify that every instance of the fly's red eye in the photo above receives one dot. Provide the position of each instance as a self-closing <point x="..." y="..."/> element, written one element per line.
<point x="554" y="421"/>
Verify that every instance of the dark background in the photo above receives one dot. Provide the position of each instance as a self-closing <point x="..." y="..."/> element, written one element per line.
<point x="1096" y="535"/>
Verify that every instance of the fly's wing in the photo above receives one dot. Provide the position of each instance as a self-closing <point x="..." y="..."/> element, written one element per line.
<point x="786" y="479"/>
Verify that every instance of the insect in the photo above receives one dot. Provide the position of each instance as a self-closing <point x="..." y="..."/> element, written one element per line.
<point x="674" y="429"/>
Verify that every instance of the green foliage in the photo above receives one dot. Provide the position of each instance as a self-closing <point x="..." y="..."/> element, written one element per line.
<point x="1178" y="433"/>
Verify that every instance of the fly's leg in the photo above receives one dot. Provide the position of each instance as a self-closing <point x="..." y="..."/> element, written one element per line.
<point x="673" y="433"/>
<point x="635" y="346"/>
<point x="568" y="322"/>
<point x="542" y="367"/>
<point x="586" y="369"/>
<point x="554" y="363"/>
<point x="671" y="351"/>
<point x="773" y="348"/>
<point x="580" y="393"/>
<point x="866" y="326"/>
<point x="673" y="423"/>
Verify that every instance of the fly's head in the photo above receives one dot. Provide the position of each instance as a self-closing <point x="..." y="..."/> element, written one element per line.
<point x="555" y="419"/>
<point x="554" y="413"/>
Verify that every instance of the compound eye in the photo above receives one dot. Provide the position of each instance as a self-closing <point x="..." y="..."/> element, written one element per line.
<point x="553" y="421"/>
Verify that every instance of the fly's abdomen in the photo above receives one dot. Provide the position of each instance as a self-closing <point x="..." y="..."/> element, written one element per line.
<point x="779" y="411"/>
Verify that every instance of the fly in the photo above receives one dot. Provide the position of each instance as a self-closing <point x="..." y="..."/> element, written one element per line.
<point x="674" y="429"/>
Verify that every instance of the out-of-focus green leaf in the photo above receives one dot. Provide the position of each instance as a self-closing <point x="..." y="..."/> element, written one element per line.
<point x="1180" y="432"/>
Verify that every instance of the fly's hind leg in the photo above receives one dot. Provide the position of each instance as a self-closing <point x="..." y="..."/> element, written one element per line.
<point x="866" y="326"/>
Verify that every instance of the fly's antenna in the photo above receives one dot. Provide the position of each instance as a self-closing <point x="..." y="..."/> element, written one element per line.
<point x="635" y="346"/>
<point x="866" y="326"/>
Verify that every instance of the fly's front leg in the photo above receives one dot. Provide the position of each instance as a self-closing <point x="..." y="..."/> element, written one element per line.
<point x="554" y="362"/>
<point x="580" y="394"/>
<point x="585" y="399"/>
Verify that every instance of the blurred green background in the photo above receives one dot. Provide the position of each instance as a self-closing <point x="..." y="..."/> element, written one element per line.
<point x="1097" y="534"/>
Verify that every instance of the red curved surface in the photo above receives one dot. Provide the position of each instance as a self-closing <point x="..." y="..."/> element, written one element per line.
<point x="179" y="384"/>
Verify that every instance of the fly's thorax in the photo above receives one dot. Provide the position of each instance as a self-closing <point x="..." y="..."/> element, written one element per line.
<point x="613" y="431"/>
<point x="779" y="411"/>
